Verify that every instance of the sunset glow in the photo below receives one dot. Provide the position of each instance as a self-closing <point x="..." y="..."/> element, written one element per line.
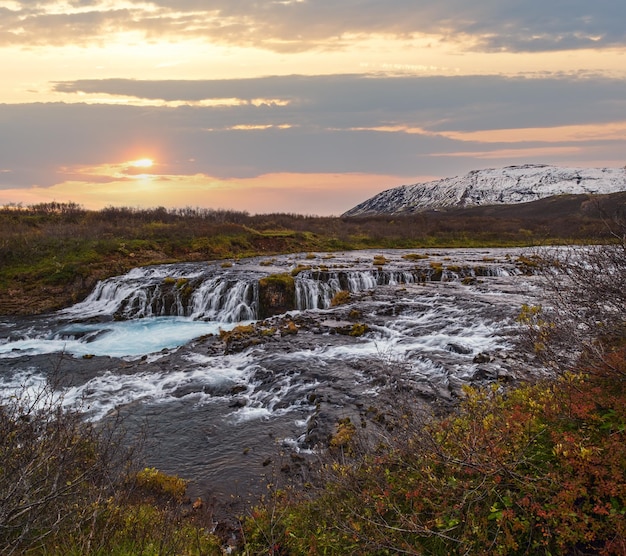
<point x="175" y="98"/>
<point x="142" y="163"/>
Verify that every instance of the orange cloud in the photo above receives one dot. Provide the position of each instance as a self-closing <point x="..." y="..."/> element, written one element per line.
<point x="559" y="134"/>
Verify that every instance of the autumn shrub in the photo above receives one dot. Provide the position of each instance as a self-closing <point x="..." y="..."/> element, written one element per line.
<point x="53" y="470"/>
<point x="539" y="469"/>
<point x="585" y="309"/>
<point x="68" y="487"/>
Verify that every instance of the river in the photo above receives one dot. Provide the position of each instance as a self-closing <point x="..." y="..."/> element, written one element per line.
<point x="231" y="412"/>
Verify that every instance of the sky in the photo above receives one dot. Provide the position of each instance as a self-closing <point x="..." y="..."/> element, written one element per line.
<point x="299" y="106"/>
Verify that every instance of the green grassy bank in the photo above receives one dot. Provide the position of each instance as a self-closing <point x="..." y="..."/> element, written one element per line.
<point x="51" y="255"/>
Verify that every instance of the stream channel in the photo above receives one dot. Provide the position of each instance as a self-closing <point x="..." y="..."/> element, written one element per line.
<point x="228" y="412"/>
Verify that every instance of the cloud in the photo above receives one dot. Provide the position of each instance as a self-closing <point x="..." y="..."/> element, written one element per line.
<point x="291" y="26"/>
<point x="326" y="124"/>
<point x="465" y="103"/>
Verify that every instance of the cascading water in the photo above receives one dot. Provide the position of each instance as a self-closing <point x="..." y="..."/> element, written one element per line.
<point x="147" y="345"/>
<point x="225" y="300"/>
<point x="204" y="293"/>
<point x="316" y="289"/>
<point x="178" y="292"/>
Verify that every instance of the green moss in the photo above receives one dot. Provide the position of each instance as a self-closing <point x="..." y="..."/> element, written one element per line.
<point x="284" y="280"/>
<point x="355" y="314"/>
<point x="289" y="329"/>
<point x="340" y="298"/>
<point x="380" y="260"/>
<point x="414" y="257"/>
<point x="358" y="329"/>
<point x="238" y="333"/>
<point x="300" y="268"/>
<point x="181" y="282"/>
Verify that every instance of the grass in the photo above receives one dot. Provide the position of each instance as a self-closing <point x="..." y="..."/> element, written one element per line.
<point x="52" y="254"/>
<point x="533" y="470"/>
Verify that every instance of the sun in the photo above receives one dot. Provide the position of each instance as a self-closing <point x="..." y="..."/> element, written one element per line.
<point x="142" y="163"/>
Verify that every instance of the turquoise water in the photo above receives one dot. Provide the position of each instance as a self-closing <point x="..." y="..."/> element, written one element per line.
<point x="115" y="339"/>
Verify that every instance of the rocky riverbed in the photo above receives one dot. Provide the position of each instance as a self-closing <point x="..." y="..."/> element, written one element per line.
<point x="230" y="391"/>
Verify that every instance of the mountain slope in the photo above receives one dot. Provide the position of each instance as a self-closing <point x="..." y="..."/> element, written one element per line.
<point x="494" y="186"/>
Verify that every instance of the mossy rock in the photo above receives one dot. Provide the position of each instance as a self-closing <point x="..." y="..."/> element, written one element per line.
<point x="277" y="294"/>
<point x="355" y="314"/>
<point x="340" y="298"/>
<point x="380" y="260"/>
<point x="358" y="329"/>
<point x="238" y="333"/>
<point x="300" y="268"/>
<point x="289" y="329"/>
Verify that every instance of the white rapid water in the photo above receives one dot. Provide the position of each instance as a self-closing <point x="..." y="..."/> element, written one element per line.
<point x="207" y="404"/>
<point x="174" y="290"/>
<point x="202" y="299"/>
<point x="315" y="289"/>
<point x="209" y="292"/>
<point x="226" y="301"/>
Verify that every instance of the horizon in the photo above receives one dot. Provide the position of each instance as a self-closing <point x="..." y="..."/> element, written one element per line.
<point x="296" y="107"/>
<point x="172" y="209"/>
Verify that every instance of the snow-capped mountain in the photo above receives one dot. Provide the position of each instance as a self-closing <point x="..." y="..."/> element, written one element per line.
<point x="494" y="186"/>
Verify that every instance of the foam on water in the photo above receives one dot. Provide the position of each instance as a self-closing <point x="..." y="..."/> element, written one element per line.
<point x="26" y="384"/>
<point x="207" y="406"/>
<point x="97" y="397"/>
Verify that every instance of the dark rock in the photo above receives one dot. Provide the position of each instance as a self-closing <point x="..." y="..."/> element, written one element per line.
<point x="482" y="358"/>
<point x="485" y="373"/>
<point x="458" y="348"/>
<point x="277" y="294"/>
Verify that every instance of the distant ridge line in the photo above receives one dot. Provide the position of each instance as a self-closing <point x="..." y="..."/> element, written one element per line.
<point x="493" y="186"/>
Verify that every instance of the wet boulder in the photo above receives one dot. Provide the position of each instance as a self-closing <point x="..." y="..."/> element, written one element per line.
<point x="277" y="294"/>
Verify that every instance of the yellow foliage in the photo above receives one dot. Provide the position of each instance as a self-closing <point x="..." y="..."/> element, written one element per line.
<point x="160" y="483"/>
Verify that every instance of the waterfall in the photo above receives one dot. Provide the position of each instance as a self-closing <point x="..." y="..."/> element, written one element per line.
<point x="315" y="289"/>
<point x="200" y="292"/>
<point x="225" y="300"/>
<point x="171" y="290"/>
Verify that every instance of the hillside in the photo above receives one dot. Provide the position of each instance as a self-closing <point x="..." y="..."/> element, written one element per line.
<point x="52" y="255"/>
<point x="494" y="186"/>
